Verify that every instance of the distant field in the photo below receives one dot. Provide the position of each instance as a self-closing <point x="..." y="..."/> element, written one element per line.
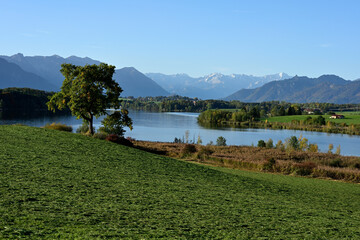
<point x="57" y="185"/>
<point x="350" y="118"/>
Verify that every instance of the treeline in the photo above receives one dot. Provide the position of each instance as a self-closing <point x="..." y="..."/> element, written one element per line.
<point x="252" y="119"/>
<point x="25" y="103"/>
<point x="273" y="108"/>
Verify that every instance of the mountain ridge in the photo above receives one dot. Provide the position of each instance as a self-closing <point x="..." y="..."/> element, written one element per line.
<point x="211" y="86"/>
<point x="326" y="88"/>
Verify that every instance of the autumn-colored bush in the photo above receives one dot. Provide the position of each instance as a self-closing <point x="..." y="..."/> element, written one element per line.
<point x="119" y="140"/>
<point x="304" y="168"/>
<point x="59" y="126"/>
<point x="188" y="149"/>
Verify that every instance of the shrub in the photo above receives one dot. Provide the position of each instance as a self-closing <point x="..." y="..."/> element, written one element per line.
<point x="261" y="143"/>
<point x="269" y="164"/>
<point x="84" y="128"/>
<point x="204" y="153"/>
<point x="100" y="135"/>
<point x="59" y="126"/>
<point x="220" y="141"/>
<point x="188" y="149"/>
<point x="292" y="143"/>
<point x="336" y="163"/>
<point x="119" y="140"/>
<point x="304" y="168"/>
<point x="270" y="143"/>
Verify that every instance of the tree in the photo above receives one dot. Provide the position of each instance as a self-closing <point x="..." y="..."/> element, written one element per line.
<point x="88" y="91"/>
<point x="221" y="141"/>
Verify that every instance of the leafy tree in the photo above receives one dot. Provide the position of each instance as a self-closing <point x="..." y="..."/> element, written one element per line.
<point x="88" y="91"/>
<point x="115" y="122"/>
<point x="221" y="141"/>
<point x="261" y="143"/>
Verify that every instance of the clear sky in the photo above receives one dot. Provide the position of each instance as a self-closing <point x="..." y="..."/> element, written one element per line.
<point x="303" y="37"/>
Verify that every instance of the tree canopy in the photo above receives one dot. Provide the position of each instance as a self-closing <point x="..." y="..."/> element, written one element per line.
<point x="88" y="91"/>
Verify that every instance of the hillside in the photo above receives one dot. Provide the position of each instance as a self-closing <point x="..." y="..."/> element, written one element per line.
<point x="11" y="75"/>
<point x="136" y="84"/>
<point x="212" y="86"/>
<point x="326" y="88"/>
<point x="62" y="185"/>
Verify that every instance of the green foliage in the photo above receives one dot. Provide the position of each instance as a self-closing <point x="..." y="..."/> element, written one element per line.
<point x="221" y="141"/>
<point x="313" y="148"/>
<point x="269" y="143"/>
<point x="261" y="143"/>
<point x="292" y="143"/>
<point x="331" y="147"/>
<point x="56" y="185"/>
<point x="84" y="128"/>
<point x="338" y="149"/>
<point x="115" y="122"/>
<point x="88" y="91"/>
<point x="59" y="126"/>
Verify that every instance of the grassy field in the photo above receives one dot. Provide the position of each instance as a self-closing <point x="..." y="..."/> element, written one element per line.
<point x="62" y="185"/>
<point x="350" y="118"/>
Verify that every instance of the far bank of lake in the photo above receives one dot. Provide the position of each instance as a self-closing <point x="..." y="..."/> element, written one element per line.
<point x="164" y="127"/>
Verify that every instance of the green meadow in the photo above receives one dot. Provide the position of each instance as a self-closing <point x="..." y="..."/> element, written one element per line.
<point x="68" y="186"/>
<point x="350" y="118"/>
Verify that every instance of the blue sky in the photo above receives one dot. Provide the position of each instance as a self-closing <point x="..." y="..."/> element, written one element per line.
<point x="195" y="37"/>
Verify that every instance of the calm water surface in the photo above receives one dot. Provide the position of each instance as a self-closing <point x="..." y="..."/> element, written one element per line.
<point x="165" y="127"/>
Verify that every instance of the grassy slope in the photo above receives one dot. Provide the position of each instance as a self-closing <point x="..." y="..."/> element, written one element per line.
<point x="349" y="118"/>
<point x="55" y="184"/>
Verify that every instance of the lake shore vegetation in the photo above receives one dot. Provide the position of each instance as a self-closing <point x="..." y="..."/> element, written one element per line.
<point x="253" y="119"/>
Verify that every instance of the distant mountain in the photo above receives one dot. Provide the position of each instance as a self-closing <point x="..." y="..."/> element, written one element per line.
<point x="11" y="75"/>
<point x="326" y="88"/>
<point x="47" y="67"/>
<point x="212" y="86"/>
<point x="136" y="84"/>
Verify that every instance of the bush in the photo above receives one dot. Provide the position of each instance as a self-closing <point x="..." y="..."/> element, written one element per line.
<point x="84" y="128"/>
<point x="336" y="163"/>
<point x="188" y="149"/>
<point x="119" y="140"/>
<point x="269" y="164"/>
<point x="270" y="143"/>
<point x="204" y="153"/>
<point x="261" y="143"/>
<point x="59" y="126"/>
<point x="220" y="141"/>
<point x="100" y="135"/>
<point x="304" y="169"/>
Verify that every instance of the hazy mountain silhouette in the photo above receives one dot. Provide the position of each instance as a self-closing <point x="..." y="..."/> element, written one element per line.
<point x="11" y="75"/>
<point x="136" y="84"/>
<point x="47" y="67"/>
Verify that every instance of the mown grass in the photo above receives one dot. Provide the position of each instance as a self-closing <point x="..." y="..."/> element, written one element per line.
<point x="350" y="118"/>
<point x="62" y="185"/>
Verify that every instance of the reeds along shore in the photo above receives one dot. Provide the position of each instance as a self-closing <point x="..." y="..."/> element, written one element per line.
<point x="311" y="164"/>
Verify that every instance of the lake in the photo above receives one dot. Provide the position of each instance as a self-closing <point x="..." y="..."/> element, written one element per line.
<point x="164" y="127"/>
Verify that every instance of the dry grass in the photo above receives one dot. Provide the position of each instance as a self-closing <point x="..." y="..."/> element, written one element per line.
<point x="319" y="165"/>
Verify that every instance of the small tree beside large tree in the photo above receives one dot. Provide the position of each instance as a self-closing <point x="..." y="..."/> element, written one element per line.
<point x="89" y="91"/>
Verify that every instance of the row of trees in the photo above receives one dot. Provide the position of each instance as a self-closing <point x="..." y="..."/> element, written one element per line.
<point x="272" y="108"/>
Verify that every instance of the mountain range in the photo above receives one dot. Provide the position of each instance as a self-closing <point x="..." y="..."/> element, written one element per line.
<point x="43" y="72"/>
<point x="326" y="88"/>
<point x="212" y="86"/>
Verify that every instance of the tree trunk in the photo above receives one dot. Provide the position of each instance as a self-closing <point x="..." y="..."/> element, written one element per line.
<point x="91" y="128"/>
